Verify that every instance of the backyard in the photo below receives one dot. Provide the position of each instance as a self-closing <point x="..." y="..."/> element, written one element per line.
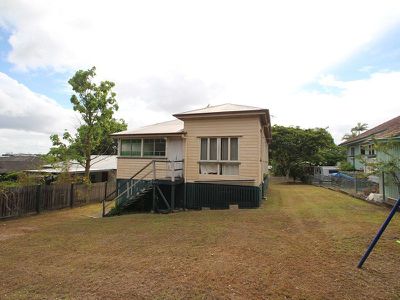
<point x="303" y="243"/>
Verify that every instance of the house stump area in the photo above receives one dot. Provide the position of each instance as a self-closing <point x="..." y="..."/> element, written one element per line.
<point x="197" y="196"/>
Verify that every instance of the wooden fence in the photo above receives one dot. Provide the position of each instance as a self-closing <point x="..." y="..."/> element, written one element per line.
<point x="34" y="199"/>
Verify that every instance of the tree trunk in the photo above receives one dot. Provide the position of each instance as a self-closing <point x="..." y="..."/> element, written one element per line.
<point x="287" y="174"/>
<point x="87" y="168"/>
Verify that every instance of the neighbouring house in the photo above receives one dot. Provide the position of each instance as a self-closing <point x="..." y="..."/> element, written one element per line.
<point x="10" y="163"/>
<point x="212" y="157"/>
<point x="103" y="168"/>
<point x="361" y="148"/>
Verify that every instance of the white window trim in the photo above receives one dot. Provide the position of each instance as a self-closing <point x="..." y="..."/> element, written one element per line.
<point x="218" y="161"/>
<point x="141" y="148"/>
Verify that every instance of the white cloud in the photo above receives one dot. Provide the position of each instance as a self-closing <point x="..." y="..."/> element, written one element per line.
<point x="168" y="56"/>
<point x="22" y="109"/>
<point x="21" y="141"/>
<point x="373" y="100"/>
<point x="27" y="119"/>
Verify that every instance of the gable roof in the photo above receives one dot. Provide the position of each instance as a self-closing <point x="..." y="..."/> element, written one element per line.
<point x="165" y="128"/>
<point x="385" y="130"/>
<point x="221" y="109"/>
<point x="176" y="127"/>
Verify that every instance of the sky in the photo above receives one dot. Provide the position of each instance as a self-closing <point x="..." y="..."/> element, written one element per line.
<point x="325" y="64"/>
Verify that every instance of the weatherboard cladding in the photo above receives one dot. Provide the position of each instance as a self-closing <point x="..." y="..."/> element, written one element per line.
<point x="246" y="128"/>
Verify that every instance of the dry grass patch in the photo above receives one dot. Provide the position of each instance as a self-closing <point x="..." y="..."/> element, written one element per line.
<point x="303" y="243"/>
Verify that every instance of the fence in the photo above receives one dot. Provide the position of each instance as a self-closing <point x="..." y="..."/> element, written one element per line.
<point x="34" y="199"/>
<point x="350" y="184"/>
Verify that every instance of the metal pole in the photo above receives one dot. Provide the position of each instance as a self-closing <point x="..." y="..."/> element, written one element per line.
<point x="172" y="197"/>
<point x="383" y="187"/>
<point x="378" y="235"/>
<point x="154" y="186"/>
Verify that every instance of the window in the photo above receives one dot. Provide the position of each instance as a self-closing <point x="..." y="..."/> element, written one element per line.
<point x="204" y="149"/>
<point x="234" y="149"/>
<point x="131" y="147"/>
<point x="143" y="147"/>
<point x="362" y="150"/>
<point x="219" y="156"/>
<point x="224" y="148"/>
<point x="352" y="151"/>
<point x="371" y="150"/>
<point x="213" y="149"/>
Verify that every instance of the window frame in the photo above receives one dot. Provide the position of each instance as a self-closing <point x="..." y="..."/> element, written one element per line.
<point x="142" y="142"/>
<point x="371" y="150"/>
<point x="219" y="161"/>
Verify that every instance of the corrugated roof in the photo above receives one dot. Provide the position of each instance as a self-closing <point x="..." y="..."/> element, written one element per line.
<point x="223" y="108"/>
<point x="388" y="129"/>
<point x="176" y="126"/>
<point x="16" y="163"/>
<point x="169" y="127"/>
<point x="99" y="163"/>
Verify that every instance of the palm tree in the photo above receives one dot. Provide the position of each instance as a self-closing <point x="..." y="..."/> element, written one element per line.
<point x="360" y="127"/>
<point x="356" y="130"/>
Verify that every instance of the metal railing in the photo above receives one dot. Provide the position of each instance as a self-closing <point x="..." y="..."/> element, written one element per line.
<point x="170" y="171"/>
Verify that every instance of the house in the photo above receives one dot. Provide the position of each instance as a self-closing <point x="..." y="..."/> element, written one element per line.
<point x="10" y="163"/>
<point x="361" y="148"/>
<point x="103" y="168"/>
<point x="211" y="157"/>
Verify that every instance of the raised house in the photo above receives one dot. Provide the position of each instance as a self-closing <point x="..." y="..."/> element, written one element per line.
<point x="211" y="157"/>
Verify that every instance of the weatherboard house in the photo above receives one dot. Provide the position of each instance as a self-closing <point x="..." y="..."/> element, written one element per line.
<point x="212" y="157"/>
<point x="361" y="149"/>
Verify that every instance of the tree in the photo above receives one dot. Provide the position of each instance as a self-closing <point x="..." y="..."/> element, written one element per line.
<point x="356" y="130"/>
<point x="293" y="149"/>
<point x="96" y="104"/>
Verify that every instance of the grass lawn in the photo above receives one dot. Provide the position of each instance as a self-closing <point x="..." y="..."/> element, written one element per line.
<point x="304" y="243"/>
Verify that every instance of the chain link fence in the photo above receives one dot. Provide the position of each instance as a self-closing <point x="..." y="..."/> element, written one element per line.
<point x="350" y="183"/>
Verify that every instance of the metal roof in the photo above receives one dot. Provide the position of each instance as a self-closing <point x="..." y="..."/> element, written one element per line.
<point x="385" y="130"/>
<point x="169" y="127"/>
<point x="223" y="108"/>
<point x="176" y="126"/>
<point x="99" y="163"/>
<point x="14" y="163"/>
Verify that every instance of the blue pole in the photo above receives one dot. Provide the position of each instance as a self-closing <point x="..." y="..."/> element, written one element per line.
<point x="378" y="235"/>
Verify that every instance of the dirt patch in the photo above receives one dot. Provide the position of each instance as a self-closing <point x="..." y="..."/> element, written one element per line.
<point x="9" y="233"/>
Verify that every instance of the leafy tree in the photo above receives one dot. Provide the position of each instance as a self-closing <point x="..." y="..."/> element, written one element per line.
<point x="356" y="130"/>
<point x="96" y="104"/>
<point x="293" y="149"/>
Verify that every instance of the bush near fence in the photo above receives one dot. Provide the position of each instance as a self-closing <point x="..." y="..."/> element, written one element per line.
<point x="25" y="200"/>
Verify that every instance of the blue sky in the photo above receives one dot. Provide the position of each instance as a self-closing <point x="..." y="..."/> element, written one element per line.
<point x="380" y="55"/>
<point x="43" y="81"/>
<point x="322" y="67"/>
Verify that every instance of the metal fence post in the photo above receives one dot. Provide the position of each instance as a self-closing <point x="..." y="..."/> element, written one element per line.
<point x="355" y="183"/>
<point x="383" y="187"/>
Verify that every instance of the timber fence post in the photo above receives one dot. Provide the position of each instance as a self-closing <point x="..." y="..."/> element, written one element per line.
<point x="71" y="196"/>
<point x="38" y="197"/>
